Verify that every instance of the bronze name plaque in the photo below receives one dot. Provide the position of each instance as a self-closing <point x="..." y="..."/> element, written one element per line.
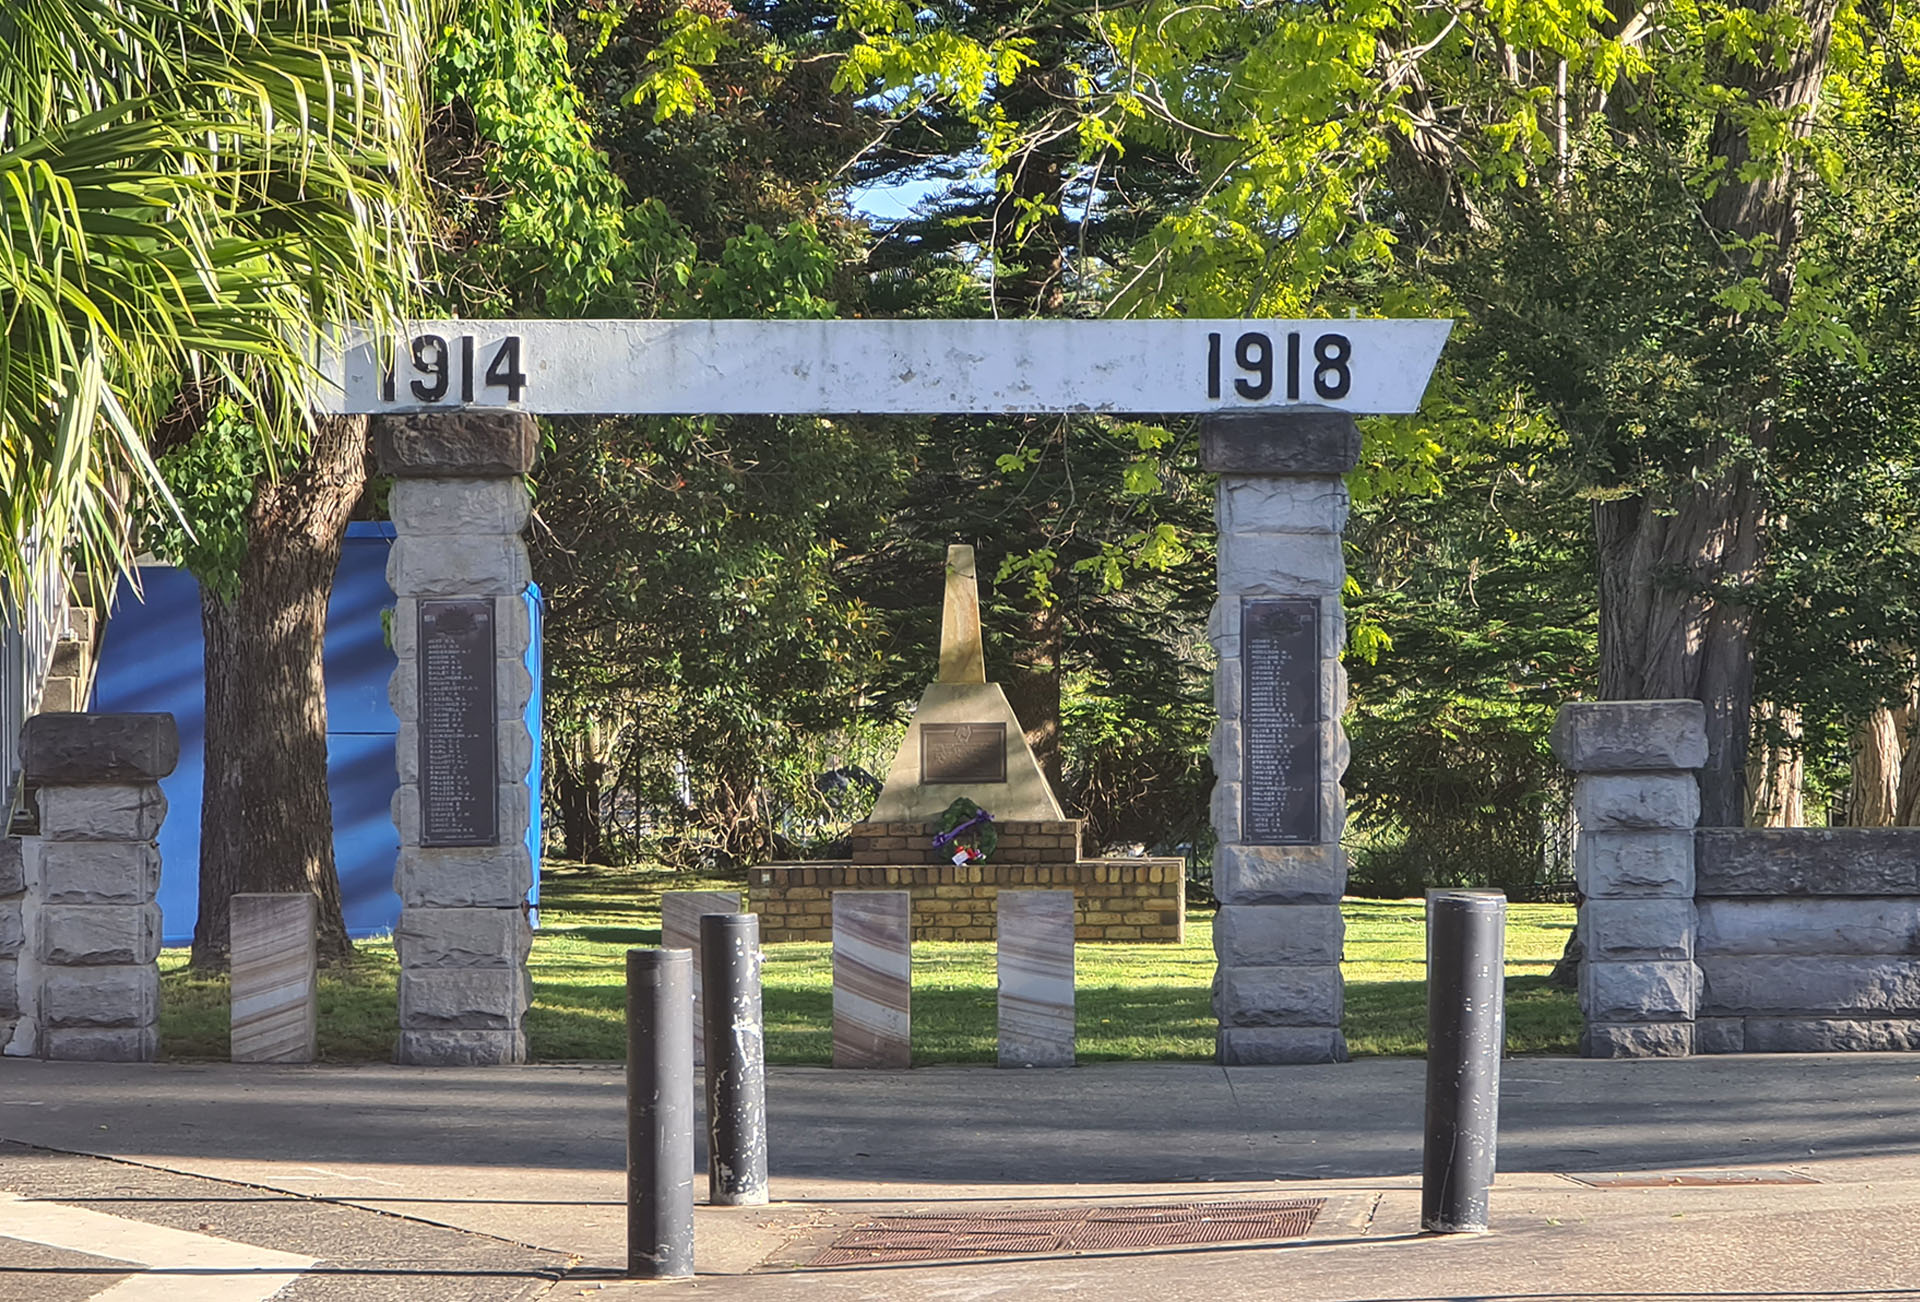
<point x="1280" y="720"/>
<point x="459" y="771"/>
<point x="963" y="752"/>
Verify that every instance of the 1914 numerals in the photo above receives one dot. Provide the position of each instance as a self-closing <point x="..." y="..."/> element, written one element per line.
<point x="1253" y="354"/>
<point x="435" y="366"/>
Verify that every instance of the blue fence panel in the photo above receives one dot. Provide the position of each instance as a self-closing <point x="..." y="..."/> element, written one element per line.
<point x="151" y="658"/>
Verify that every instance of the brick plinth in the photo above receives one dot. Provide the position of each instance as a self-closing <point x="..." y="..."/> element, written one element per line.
<point x="1020" y="842"/>
<point x="1130" y="900"/>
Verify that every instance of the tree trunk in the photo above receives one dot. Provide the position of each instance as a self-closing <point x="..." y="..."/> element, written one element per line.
<point x="1671" y="625"/>
<point x="1874" y="797"/>
<point x="266" y="819"/>
<point x="576" y="780"/>
<point x="1673" y="563"/>
<point x="1776" y="774"/>
<point x="1033" y="690"/>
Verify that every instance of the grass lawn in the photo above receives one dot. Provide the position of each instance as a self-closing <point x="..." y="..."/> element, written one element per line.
<point x="1135" y="1001"/>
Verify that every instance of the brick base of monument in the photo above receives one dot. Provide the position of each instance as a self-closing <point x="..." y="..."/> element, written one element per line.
<point x="1122" y="900"/>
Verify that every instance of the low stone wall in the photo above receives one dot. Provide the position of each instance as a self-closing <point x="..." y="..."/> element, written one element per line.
<point x="1808" y="939"/>
<point x="1131" y="900"/>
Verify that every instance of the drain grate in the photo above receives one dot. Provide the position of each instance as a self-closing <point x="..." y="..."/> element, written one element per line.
<point x="1688" y="1179"/>
<point x="942" y="1237"/>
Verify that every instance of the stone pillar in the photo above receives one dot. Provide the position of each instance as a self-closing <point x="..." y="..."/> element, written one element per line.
<point x="1279" y="749"/>
<point x="13" y="933"/>
<point x="89" y="975"/>
<point x="460" y="633"/>
<point x="1636" y="799"/>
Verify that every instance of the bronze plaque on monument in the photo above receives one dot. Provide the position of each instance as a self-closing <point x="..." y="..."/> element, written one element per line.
<point x="963" y="752"/>
<point x="1280" y="720"/>
<point x="459" y="772"/>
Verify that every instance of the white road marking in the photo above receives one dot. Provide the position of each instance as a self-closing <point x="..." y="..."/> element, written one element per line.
<point x="233" y="1272"/>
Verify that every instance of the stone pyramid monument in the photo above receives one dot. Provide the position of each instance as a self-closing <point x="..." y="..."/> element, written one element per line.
<point x="964" y="739"/>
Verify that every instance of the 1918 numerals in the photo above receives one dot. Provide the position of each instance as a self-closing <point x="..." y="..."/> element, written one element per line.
<point x="1253" y="354"/>
<point x="435" y="365"/>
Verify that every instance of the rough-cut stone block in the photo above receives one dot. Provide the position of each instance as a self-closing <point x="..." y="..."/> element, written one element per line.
<point x="99" y="872"/>
<point x="469" y="443"/>
<point x="100" y="1044"/>
<point x="86" y="749"/>
<point x="458" y="565"/>
<point x="458" y="506"/>
<point x="1272" y="1046"/>
<point x="99" y="935"/>
<point x="872" y="978"/>
<point x="275" y="994"/>
<point x="13" y="866"/>
<point x="1808" y="860"/>
<point x="99" y="996"/>
<point x="1618" y="930"/>
<point x="9" y="991"/>
<point x="1296" y="441"/>
<point x="1274" y="504"/>
<point x="1227" y="680"/>
<point x="512" y="689"/>
<point x="1307" y="995"/>
<point x="1720" y="1035"/>
<point x="1263" y="935"/>
<point x="513" y="808"/>
<point x="1637" y="1040"/>
<point x="461" y="1048"/>
<point x="130" y="811"/>
<point x="432" y="938"/>
<point x="1035" y="965"/>
<point x="1630" y="736"/>
<point x="1638" y="992"/>
<point x="1745" y="925"/>
<point x="1634" y="864"/>
<point x="1279" y="874"/>
<point x="13" y="927"/>
<point x="514" y="749"/>
<point x="1832" y="1035"/>
<point x="454" y="998"/>
<point x="1281" y="564"/>
<point x="488" y="876"/>
<point x="1605" y="802"/>
<point x="1873" y="986"/>
<point x="1224" y="809"/>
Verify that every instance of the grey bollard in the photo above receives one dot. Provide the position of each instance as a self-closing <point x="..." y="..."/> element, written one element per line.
<point x="736" y="1060"/>
<point x="659" y="1113"/>
<point x="1466" y="1029"/>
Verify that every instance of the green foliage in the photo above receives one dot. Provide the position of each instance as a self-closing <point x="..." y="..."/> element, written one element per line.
<point x="211" y="478"/>
<point x="190" y="191"/>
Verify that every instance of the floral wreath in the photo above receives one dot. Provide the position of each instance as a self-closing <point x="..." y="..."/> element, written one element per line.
<point x="979" y="840"/>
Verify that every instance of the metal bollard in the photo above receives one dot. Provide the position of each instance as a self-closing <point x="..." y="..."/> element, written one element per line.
<point x="1466" y="1029"/>
<point x="736" y="1060"/>
<point x="659" y="1113"/>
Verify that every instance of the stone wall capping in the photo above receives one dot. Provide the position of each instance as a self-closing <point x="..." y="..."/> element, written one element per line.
<point x="1630" y="736"/>
<point x="1807" y="861"/>
<point x="469" y="443"/>
<point x="95" y="749"/>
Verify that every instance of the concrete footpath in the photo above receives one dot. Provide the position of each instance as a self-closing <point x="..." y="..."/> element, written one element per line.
<point x="1765" y="1177"/>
